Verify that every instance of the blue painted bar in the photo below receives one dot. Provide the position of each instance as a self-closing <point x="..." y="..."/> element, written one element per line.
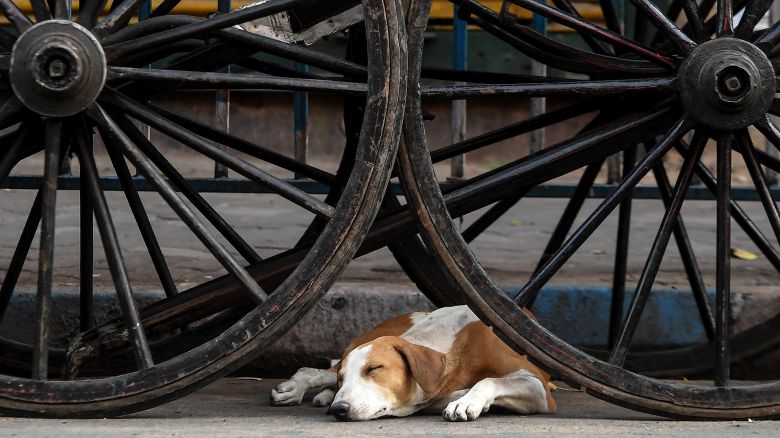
<point x="580" y="315"/>
<point x="539" y="22"/>
<point x="458" y="107"/>
<point x="145" y="10"/>
<point x="459" y="41"/>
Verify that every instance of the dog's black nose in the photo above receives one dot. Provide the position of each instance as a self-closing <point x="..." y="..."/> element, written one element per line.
<point x="340" y="410"/>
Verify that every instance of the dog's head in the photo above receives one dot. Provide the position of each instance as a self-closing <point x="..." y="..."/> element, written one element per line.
<point x="387" y="376"/>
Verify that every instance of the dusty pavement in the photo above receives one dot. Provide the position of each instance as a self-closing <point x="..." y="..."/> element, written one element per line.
<point x="236" y="408"/>
<point x="509" y="249"/>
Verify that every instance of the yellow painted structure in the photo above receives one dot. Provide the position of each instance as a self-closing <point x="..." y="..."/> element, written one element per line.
<point x="441" y="9"/>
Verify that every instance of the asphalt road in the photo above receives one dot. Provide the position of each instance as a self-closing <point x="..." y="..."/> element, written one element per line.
<point x="237" y="408"/>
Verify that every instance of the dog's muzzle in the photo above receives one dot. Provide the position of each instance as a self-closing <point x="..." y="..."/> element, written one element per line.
<point x="340" y="410"/>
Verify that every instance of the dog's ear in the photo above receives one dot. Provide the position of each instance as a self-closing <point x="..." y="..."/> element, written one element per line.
<point x="426" y="365"/>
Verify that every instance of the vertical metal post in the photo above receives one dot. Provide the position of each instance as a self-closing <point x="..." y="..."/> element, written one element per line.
<point x="222" y="102"/>
<point x="772" y="176"/>
<point x="538" y="104"/>
<point x="301" y="141"/>
<point x="459" y="62"/>
<point x="613" y="162"/>
<point x="65" y="169"/>
<point x="144" y="11"/>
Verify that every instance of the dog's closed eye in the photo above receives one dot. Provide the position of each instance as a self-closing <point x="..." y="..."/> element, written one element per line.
<point x="373" y="368"/>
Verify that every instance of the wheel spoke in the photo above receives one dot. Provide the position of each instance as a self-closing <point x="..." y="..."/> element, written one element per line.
<point x="577" y="199"/>
<point x="7" y="42"/>
<point x="570" y="213"/>
<point x="597" y="46"/>
<point x="621" y="255"/>
<point x="89" y="12"/>
<point x="754" y="10"/>
<point x="9" y="112"/>
<point x="20" y="254"/>
<point x="236" y="45"/>
<point x="739" y="215"/>
<point x="40" y="10"/>
<point x="190" y="79"/>
<point x="142" y="220"/>
<point x="482" y="77"/>
<point x="746" y="148"/>
<point x="695" y="21"/>
<point x="199" y="28"/>
<point x="598" y="32"/>
<point x="295" y="195"/>
<point x="559" y="159"/>
<point x="553" y="53"/>
<point x="164" y="8"/>
<point x="722" y="261"/>
<point x="40" y="366"/>
<point x="181" y="184"/>
<point x="491" y="216"/>
<point x="118" y="18"/>
<point x="86" y="251"/>
<point x="769" y="39"/>
<point x="581" y="88"/>
<point x="304" y="55"/>
<point x="116" y="264"/>
<point x="619" y="350"/>
<point x="725" y="16"/>
<point x="690" y="264"/>
<point x="515" y="129"/>
<point x="705" y="8"/>
<point x="61" y="9"/>
<point x="665" y="25"/>
<point x="15" y="15"/>
<point x="111" y="130"/>
<point x="769" y="130"/>
<point x="552" y="266"/>
<point x="14" y="153"/>
<point x="251" y="149"/>
<point x="83" y="138"/>
<point x="610" y="16"/>
<point x="275" y="69"/>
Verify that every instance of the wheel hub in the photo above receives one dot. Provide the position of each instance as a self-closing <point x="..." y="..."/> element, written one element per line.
<point x="727" y="83"/>
<point x="57" y="68"/>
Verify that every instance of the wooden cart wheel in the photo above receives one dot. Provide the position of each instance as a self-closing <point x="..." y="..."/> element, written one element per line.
<point x="72" y="76"/>
<point x="708" y="77"/>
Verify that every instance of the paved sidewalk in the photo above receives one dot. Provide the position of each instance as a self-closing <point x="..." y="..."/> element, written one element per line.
<point x="234" y="408"/>
<point x="509" y="249"/>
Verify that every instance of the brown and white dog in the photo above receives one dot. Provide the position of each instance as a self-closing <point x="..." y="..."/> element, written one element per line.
<point x="446" y="359"/>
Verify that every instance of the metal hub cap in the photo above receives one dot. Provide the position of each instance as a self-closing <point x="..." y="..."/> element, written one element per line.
<point x="57" y="68"/>
<point x="727" y="83"/>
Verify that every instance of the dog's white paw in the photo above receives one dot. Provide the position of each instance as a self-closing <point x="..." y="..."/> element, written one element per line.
<point x="467" y="408"/>
<point x="287" y="393"/>
<point x="324" y="398"/>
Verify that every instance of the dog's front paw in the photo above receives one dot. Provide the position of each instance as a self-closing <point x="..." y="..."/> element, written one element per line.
<point x="466" y="408"/>
<point x="287" y="393"/>
<point x="324" y="398"/>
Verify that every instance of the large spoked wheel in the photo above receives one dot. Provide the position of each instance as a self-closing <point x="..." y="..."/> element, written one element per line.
<point x="72" y="77"/>
<point x="710" y="78"/>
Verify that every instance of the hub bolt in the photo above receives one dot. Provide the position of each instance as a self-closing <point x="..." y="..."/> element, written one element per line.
<point x="56" y="68"/>
<point x="733" y="84"/>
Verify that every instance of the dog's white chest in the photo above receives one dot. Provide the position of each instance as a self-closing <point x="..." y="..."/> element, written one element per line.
<point x="438" y="329"/>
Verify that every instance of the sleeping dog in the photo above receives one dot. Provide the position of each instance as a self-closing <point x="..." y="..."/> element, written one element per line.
<point x="446" y="359"/>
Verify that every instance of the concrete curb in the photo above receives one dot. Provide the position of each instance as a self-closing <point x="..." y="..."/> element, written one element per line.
<point x="575" y="313"/>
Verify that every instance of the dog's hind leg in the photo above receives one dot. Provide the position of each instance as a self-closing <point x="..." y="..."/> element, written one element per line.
<point x="520" y="391"/>
<point x="291" y="392"/>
